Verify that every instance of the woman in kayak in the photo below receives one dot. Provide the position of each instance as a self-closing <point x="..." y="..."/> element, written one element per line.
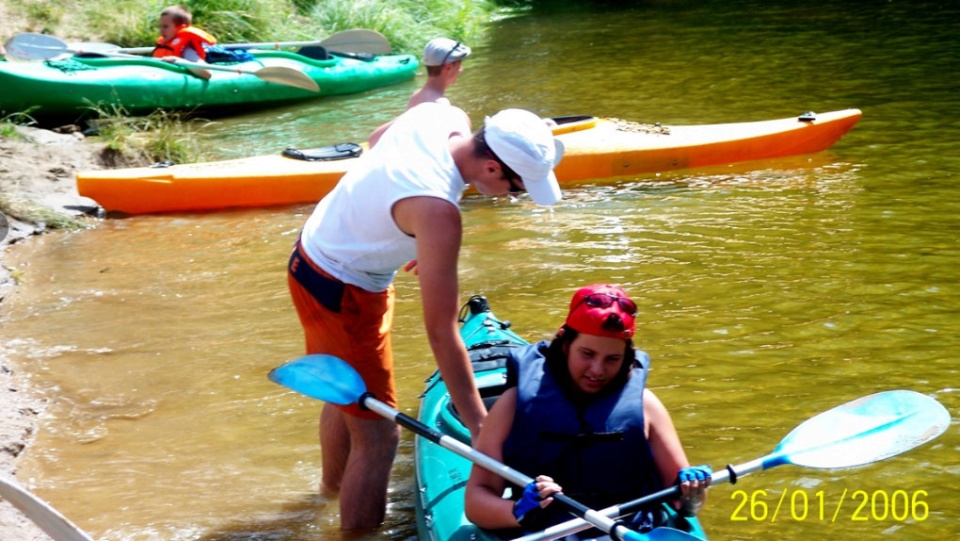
<point x="179" y="38"/>
<point x="578" y="413"/>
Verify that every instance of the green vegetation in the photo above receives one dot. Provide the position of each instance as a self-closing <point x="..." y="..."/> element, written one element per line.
<point x="408" y="24"/>
<point x="9" y="123"/>
<point x="159" y="137"/>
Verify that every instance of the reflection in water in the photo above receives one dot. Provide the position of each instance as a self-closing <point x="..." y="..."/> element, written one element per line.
<point x="769" y="292"/>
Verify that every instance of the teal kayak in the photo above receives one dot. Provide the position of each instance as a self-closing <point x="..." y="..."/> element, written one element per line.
<point x="441" y="475"/>
<point x="65" y="89"/>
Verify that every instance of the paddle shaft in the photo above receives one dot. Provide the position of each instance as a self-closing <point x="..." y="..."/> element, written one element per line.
<point x="265" y="46"/>
<point x="347" y="43"/>
<point x="594" y="518"/>
<point x="262" y="45"/>
<point x="58" y="527"/>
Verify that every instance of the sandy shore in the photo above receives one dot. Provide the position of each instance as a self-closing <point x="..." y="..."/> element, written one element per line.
<point x="38" y="171"/>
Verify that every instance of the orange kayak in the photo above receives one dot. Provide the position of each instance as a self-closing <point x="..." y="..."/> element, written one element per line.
<point x="595" y="149"/>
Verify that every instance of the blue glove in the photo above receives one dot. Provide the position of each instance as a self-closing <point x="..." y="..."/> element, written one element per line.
<point x="529" y="501"/>
<point x="698" y="473"/>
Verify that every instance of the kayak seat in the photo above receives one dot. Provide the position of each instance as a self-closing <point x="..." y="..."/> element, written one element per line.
<point x="338" y="151"/>
<point x="489" y="395"/>
<point x="570" y="124"/>
<point x="490" y="355"/>
<point x="366" y="57"/>
<point x="89" y="54"/>
<point x="316" y="52"/>
<point x="561" y="120"/>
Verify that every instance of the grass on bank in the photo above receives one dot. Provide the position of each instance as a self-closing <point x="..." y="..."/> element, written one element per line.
<point x="407" y="24"/>
<point x="127" y="142"/>
<point x="162" y="136"/>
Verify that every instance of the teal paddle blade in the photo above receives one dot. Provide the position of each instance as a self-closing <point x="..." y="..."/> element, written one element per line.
<point x="866" y="430"/>
<point x="323" y="377"/>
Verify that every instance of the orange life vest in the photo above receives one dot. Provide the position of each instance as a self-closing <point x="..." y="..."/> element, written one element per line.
<point x="190" y="36"/>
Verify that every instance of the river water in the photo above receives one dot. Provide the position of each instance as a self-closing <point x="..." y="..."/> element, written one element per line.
<point x="769" y="291"/>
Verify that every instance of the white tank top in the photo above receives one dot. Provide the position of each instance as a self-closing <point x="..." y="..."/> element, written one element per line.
<point x="351" y="233"/>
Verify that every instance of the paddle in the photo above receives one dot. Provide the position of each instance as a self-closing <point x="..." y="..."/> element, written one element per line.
<point x="42" y="46"/>
<point x="330" y="379"/>
<point x="273" y="74"/>
<point x="310" y="49"/>
<point x="866" y="430"/>
<point x="358" y="40"/>
<point x="47" y="518"/>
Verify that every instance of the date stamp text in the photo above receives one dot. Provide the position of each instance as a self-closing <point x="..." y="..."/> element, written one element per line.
<point x="858" y="506"/>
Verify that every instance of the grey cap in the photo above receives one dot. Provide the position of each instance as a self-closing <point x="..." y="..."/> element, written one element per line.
<point x="442" y="51"/>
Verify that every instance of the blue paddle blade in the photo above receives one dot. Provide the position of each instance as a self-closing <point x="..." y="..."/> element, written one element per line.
<point x="323" y="377"/>
<point x="865" y="430"/>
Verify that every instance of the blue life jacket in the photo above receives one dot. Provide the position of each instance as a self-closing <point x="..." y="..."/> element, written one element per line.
<point x="598" y="453"/>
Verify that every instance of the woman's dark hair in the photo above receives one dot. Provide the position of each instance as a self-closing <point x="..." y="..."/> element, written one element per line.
<point x="556" y="362"/>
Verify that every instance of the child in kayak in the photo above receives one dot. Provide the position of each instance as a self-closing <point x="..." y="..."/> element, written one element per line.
<point x="179" y="38"/>
<point x="577" y="412"/>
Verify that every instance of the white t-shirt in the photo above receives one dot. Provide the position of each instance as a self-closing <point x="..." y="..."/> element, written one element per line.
<point x="351" y="233"/>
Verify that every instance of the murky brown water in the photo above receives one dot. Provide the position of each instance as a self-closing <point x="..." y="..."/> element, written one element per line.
<point x="769" y="292"/>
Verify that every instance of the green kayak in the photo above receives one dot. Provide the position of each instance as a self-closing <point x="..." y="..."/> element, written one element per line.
<point x="66" y="88"/>
<point x="441" y="475"/>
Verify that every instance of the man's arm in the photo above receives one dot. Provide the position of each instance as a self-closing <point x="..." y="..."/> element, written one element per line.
<point x="483" y="500"/>
<point x="437" y="227"/>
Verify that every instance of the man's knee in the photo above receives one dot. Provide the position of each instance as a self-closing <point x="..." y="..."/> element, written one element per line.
<point x="374" y="436"/>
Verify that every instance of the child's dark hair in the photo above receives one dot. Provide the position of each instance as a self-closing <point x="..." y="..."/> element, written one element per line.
<point x="178" y="14"/>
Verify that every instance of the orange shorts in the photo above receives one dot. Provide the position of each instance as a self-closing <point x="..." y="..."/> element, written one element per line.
<point x="348" y="322"/>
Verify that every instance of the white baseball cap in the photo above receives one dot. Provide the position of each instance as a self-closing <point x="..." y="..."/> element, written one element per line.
<point x="524" y="142"/>
<point x="442" y="51"/>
